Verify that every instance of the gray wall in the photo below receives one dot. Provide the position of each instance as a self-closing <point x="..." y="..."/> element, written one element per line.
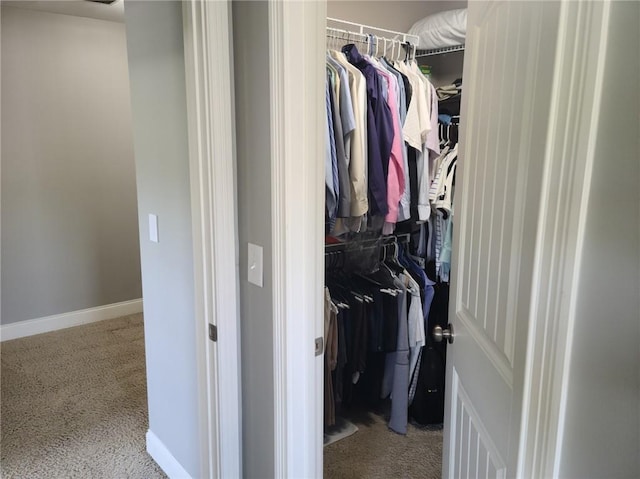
<point x="156" y="66"/>
<point x="69" y="215"/>
<point x="251" y="52"/>
<point x="602" y="429"/>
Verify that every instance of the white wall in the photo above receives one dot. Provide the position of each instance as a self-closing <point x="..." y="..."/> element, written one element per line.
<point x="158" y="95"/>
<point x="69" y="211"/>
<point x="602" y="424"/>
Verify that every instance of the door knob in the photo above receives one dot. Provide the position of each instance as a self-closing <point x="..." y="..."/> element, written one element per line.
<point x="439" y="334"/>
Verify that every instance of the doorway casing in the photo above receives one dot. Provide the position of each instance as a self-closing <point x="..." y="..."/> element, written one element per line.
<point x="211" y="129"/>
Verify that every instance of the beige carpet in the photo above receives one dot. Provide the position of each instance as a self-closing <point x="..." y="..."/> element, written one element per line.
<point x="74" y="404"/>
<point x="375" y="452"/>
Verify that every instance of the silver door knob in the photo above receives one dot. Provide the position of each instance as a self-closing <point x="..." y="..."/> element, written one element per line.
<point x="439" y="334"/>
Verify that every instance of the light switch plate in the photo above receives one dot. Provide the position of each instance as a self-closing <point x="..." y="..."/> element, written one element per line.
<point x="254" y="264"/>
<point x="153" y="228"/>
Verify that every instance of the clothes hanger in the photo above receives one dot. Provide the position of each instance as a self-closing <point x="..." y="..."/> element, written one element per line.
<point x="392" y="263"/>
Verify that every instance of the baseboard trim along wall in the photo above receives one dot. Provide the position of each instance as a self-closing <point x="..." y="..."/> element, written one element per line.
<point x="169" y="464"/>
<point x="47" y="324"/>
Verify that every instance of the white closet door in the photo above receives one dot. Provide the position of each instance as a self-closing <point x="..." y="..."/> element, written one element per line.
<point x="505" y="111"/>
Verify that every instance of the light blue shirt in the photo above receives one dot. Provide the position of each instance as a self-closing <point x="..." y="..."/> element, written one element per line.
<point x="330" y="158"/>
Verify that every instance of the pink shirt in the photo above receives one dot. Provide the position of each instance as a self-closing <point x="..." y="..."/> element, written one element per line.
<point x="395" y="175"/>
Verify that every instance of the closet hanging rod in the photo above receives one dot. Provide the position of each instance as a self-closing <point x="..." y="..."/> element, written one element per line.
<point x="406" y="37"/>
<point x="344" y="34"/>
<point x="371" y="41"/>
<point x="385" y="240"/>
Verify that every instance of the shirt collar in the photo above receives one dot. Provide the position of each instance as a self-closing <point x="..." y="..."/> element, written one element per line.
<point x="352" y="53"/>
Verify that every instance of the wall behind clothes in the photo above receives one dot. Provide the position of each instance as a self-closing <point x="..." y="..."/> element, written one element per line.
<point x="158" y="94"/>
<point x="251" y="53"/>
<point x="602" y="422"/>
<point x="69" y="211"/>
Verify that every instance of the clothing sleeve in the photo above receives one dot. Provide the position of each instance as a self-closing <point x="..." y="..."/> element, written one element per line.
<point x="330" y="199"/>
<point x="424" y="208"/>
<point x="416" y="332"/>
<point x="433" y="142"/>
<point x="346" y="104"/>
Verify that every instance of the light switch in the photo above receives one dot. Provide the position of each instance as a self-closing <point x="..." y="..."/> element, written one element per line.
<point x="153" y="228"/>
<point x="254" y="264"/>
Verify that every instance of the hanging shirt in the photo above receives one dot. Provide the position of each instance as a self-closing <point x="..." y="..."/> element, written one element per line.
<point x="415" y="131"/>
<point x="344" y="190"/>
<point x="433" y="142"/>
<point x="346" y="105"/>
<point x="358" y="158"/>
<point x="331" y="197"/>
<point x="379" y="131"/>
<point x="395" y="174"/>
<point x="437" y="191"/>
<point x="445" y="253"/>
<point x="416" y="125"/>
<point x="424" y="181"/>
<point x="404" y="211"/>
<point x="330" y="356"/>
<point x="400" y="392"/>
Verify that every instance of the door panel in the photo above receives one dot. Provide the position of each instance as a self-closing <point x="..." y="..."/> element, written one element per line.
<point x="478" y="457"/>
<point x="508" y="63"/>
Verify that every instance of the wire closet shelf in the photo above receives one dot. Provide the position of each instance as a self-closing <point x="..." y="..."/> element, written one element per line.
<point x="372" y="37"/>
<point x="439" y="51"/>
<point x="380" y="40"/>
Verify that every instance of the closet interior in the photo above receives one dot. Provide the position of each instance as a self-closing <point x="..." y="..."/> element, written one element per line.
<point x="392" y="115"/>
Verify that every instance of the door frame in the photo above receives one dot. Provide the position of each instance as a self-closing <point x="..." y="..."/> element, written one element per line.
<point x="211" y="129"/>
<point x="296" y="33"/>
<point x="568" y="158"/>
<point x="296" y="51"/>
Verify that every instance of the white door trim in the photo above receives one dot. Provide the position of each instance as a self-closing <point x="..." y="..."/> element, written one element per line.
<point x="296" y="51"/>
<point x="577" y="91"/>
<point x="211" y="127"/>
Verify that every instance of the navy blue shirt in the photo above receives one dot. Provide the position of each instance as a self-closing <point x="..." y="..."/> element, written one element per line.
<point x="379" y="131"/>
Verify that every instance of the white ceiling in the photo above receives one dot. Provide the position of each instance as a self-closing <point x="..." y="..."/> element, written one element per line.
<point x="78" y="8"/>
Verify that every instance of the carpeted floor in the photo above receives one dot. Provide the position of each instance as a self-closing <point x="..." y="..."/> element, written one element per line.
<point x="375" y="452"/>
<point x="74" y="404"/>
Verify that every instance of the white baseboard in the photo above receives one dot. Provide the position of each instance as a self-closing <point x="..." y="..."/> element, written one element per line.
<point x="47" y="324"/>
<point x="169" y="464"/>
